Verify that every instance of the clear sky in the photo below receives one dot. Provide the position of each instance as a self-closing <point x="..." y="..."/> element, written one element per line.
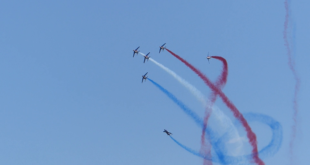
<point x="71" y="92"/>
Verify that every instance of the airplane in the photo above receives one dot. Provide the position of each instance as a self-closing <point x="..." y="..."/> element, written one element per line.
<point x="144" y="77"/>
<point x="135" y="51"/>
<point x="209" y="57"/>
<point x="168" y="133"/>
<point x="162" y="47"/>
<point x="146" y="57"/>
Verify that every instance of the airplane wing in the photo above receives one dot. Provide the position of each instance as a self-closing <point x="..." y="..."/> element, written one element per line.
<point x="144" y="60"/>
<point x="138" y="47"/>
<point x="164" y="44"/>
<point x="133" y="54"/>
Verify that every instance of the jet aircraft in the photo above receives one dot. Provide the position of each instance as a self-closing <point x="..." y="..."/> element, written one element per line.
<point x="167" y="132"/>
<point x="209" y="57"/>
<point x="162" y="47"/>
<point x="144" y="77"/>
<point x="146" y="57"/>
<point x="136" y="51"/>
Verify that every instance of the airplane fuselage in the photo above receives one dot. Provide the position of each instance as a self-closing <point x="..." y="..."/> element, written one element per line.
<point x="136" y="51"/>
<point x="162" y="47"/>
<point x="144" y="78"/>
<point x="146" y="57"/>
<point x="168" y="133"/>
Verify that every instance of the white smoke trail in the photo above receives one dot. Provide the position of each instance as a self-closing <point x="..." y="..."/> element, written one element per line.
<point x="221" y="119"/>
<point x="199" y="96"/>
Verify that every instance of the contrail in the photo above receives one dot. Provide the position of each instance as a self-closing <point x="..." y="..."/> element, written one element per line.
<point x="217" y="141"/>
<point x="189" y="112"/>
<point x="225" y="122"/>
<point x="223" y="77"/>
<point x="250" y="134"/>
<point x="220" y="116"/>
<point x="221" y="81"/>
<point x="269" y="150"/>
<point x="291" y="64"/>
<point x="199" y="96"/>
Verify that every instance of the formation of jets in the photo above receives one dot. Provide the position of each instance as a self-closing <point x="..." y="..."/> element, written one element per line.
<point x="146" y="57"/>
<point x="161" y="48"/>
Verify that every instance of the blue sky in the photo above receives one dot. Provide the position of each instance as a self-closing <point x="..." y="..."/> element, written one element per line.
<point x="71" y="92"/>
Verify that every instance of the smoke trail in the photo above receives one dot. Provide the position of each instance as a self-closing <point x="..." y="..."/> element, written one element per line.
<point x="193" y="115"/>
<point x="266" y="152"/>
<point x="199" y="96"/>
<point x="205" y="148"/>
<point x="187" y="110"/>
<point x="221" y="81"/>
<point x="191" y="150"/>
<point x="250" y="134"/>
<point x="223" y="78"/>
<point x="291" y="64"/>
<point x="217" y="141"/>
<point x="225" y="122"/>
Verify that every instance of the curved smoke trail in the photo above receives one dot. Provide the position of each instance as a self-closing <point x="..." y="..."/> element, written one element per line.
<point x="217" y="141"/>
<point x="225" y="122"/>
<point x="187" y="110"/>
<point x="212" y="134"/>
<point x="199" y="96"/>
<point x="221" y="81"/>
<point x="291" y="64"/>
<point x="266" y="152"/>
<point x="250" y="134"/>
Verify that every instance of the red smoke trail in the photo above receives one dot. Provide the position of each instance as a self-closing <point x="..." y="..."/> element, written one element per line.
<point x="205" y="149"/>
<point x="291" y="64"/>
<point x="250" y="134"/>
<point x="223" y="78"/>
<point x="221" y="81"/>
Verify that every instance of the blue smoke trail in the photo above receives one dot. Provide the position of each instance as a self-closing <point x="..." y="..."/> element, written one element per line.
<point x="267" y="151"/>
<point x="225" y="123"/>
<point x="216" y="142"/>
<point x="187" y="110"/>
<point x="190" y="150"/>
<point x="194" y="116"/>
